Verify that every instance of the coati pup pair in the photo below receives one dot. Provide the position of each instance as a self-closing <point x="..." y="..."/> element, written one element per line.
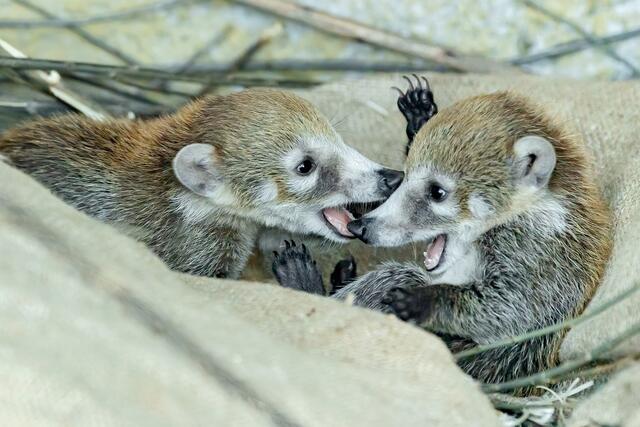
<point x="198" y="185"/>
<point x="516" y="234"/>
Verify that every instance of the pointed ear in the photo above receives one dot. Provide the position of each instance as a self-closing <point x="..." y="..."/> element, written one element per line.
<point x="534" y="161"/>
<point x="195" y="168"/>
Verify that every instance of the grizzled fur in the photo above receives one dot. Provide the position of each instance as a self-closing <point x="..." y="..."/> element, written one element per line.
<point x="124" y="173"/>
<point x="539" y="260"/>
<point x="517" y="259"/>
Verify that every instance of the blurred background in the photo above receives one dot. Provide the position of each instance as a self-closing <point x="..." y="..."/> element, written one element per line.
<point x="162" y="52"/>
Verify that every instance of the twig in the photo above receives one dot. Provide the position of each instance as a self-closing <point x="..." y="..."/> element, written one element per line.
<point x="552" y="374"/>
<point x="587" y="36"/>
<point x="46" y="108"/>
<point x="573" y="46"/>
<point x="122" y="89"/>
<point x="354" y="30"/>
<point x="52" y="82"/>
<point x="115" y="16"/>
<point x="215" y="40"/>
<point x="142" y="72"/>
<point x="87" y="36"/>
<point x="305" y="65"/>
<point x="264" y="39"/>
<point x="153" y="88"/>
<point x="549" y="329"/>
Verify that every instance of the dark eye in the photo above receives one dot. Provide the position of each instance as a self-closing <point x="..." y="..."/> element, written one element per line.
<point x="437" y="193"/>
<point x="306" y="167"/>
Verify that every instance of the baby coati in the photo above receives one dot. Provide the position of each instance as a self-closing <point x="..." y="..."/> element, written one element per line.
<point x="197" y="185"/>
<point x="516" y="234"/>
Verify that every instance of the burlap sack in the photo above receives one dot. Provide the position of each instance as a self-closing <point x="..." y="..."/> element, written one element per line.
<point x="96" y="331"/>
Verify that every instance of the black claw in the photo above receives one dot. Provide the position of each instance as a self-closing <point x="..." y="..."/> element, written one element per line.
<point x="417" y="80"/>
<point x="416" y="105"/>
<point x="398" y="89"/>
<point x="426" y="82"/>
<point x="411" y="87"/>
<point x="294" y="268"/>
<point x="345" y="272"/>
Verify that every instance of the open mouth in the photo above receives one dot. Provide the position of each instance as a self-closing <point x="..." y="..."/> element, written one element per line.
<point x="434" y="254"/>
<point x="338" y="217"/>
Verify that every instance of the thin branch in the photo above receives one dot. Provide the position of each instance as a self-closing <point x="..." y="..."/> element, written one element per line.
<point x="47" y="108"/>
<point x="154" y="88"/>
<point x="311" y="65"/>
<point x="115" y="16"/>
<point x="206" y="48"/>
<point x="87" y="36"/>
<point x="264" y="39"/>
<point x="122" y="89"/>
<point x="357" y="31"/>
<point x="573" y="46"/>
<point x="587" y="36"/>
<point x="143" y="73"/>
<point x="51" y="82"/>
<point x="549" y="329"/>
<point x="553" y="374"/>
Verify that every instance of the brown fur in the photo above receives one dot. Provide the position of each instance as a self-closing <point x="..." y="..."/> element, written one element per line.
<point x="120" y="171"/>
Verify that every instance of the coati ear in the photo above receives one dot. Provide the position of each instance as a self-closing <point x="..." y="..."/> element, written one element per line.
<point x="534" y="161"/>
<point x="195" y="168"/>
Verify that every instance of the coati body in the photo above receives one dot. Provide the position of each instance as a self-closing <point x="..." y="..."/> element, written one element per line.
<point x="516" y="234"/>
<point x="197" y="186"/>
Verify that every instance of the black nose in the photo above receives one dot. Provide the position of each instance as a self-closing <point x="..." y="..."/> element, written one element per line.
<point x="359" y="228"/>
<point x="389" y="181"/>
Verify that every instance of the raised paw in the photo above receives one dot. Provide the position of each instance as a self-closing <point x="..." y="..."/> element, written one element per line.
<point x="343" y="273"/>
<point x="405" y="304"/>
<point x="294" y="268"/>
<point x="416" y="105"/>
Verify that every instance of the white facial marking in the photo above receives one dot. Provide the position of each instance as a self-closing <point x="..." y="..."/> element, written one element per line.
<point x="196" y="208"/>
<point x="479" y="207"/>
<point x="267" y="192"/>
<point x="549" y="214"/>
<point x="300" y="184"/>
<point x="463" y="265"/>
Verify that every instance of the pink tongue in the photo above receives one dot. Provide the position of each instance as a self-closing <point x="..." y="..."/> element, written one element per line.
<point x="339" y="218"/>
<point x="434" y="252"/>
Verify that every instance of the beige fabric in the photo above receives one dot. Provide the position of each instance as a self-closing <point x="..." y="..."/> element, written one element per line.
<point x="96" y="331"/>
<point x="617" y="403"/>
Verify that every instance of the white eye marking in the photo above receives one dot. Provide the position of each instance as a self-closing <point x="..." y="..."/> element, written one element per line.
<point x="479" y="207"/>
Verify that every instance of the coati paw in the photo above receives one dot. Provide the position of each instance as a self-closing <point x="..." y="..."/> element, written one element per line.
<point x="416" y="105"/>
<point x="294" y="268"/>
<point x="343" y="273"/>
<point x="405" y="304"/>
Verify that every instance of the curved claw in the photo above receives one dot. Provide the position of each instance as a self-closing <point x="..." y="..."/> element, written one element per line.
<point x="287" y="245"/>
<point x="411" y="86"/>
<point x="428" y="86"/>
<point x="398" y="89"/>
<point x="417" y="80"/>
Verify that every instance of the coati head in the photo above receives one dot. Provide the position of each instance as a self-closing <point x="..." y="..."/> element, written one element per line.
<point x="472" y="167"/>
<point x="270" y="156"/>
